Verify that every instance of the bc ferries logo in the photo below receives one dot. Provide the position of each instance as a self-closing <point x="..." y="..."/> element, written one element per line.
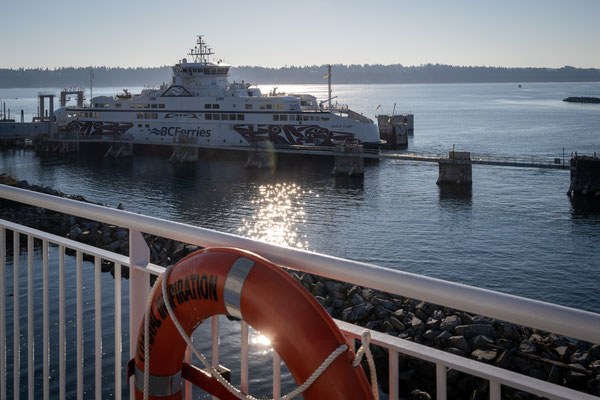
<point x="179" y="131"/>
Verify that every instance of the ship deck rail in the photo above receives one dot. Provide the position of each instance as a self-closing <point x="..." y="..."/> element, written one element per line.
<point x="561" y="320"/>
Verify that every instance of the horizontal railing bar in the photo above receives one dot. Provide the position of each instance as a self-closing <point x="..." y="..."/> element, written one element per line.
<point x="67" y="243"/>
<point x="471" y="367"/>
<point x="532" y="313"/>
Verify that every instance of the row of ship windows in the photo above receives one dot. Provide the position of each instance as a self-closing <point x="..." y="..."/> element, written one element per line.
<point x="206" y="106"/>
<point x="215" y="117"/>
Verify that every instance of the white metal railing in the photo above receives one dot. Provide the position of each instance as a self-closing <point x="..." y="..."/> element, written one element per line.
<point x="558" y="319"/>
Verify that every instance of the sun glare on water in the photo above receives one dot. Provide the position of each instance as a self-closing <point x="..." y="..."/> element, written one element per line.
<point x="278" y="216"/>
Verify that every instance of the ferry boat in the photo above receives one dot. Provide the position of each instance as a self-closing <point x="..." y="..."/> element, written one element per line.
<point x="200" y="106"/>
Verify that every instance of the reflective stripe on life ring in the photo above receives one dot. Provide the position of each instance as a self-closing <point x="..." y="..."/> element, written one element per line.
<point x="246" y="286"/>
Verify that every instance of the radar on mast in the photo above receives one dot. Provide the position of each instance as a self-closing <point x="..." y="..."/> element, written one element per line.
<point x="201" y="51"/>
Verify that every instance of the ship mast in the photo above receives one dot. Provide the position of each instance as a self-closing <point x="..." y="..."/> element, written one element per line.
<point x="201" y="51"/>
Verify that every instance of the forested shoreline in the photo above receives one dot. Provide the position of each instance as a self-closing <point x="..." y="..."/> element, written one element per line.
<point x="341" y="74"/>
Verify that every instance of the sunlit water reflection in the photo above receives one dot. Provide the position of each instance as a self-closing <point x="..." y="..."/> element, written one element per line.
<point x="279" y="210"/>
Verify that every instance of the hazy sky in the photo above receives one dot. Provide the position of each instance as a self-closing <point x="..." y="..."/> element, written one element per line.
<point x="522" y="33"/>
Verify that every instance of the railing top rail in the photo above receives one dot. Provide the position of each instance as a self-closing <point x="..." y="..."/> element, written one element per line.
<point x="567" y="321"/>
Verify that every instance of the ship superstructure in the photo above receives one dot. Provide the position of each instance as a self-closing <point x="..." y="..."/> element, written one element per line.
<point x="201" y="106"/>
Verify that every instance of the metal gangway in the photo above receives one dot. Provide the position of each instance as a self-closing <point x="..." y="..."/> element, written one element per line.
<point x="518" y="310"/>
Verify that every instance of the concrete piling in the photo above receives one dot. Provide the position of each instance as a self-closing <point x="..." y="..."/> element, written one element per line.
<point x="348" y="159"/>
<point x="585" y="176"/>
<point x="260" y="156"/>
<point x="456" y="169"/>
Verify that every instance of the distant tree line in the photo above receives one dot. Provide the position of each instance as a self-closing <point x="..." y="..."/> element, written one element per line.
<point x="365" y="74"/>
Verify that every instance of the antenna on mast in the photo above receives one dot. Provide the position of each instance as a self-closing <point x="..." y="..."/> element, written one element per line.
<point x="201" y="52"/>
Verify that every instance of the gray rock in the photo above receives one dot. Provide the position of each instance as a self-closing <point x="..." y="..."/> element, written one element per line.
<point x="523" y="364"/>
<point x="563" y="352"/>
<point x="442" y="339"/>
<point x="387" y="327"/>
<point x="465" y="318"/>
<point x="432" y="323"/>
<point x="381" y="312"/>
<point x="114" y="246"/>
<point x="400" y="313"/>
<point x="527" y="346"/>
<point x="431" y="334"/>
<point x="307" y="280"/>
<point x="417" y="325"/>
<point x="595" y="367"/>
<point x="424" y="307"/>
<point x="574" y="378"/>
<point x="399" y="326"/>
<point x="438" y="314"/>
<point x="385" y="303"/>
<point x="554" y="375"/>
<point x="459" y="342"/>
<point x="593" y="386"/>
<point x="335" y="287"/>
<point x="580" y="357"/>
<point x="421" y="315"/>
<point x="367" y="294"/>
<point x="356" y="299"/>
<point x="481" y="342"/>
<point x="456" y="351"/>
<point x="470" y="331"/>
<point x="538" y="373"/>
<point x="486" y="356"/>
<point x="510" y="331"/>
<point x="338" y="295"/>
<point x="319" y="289"/>
<point x="505" y="359"/>
<point x="337" y="303"/>
<point x="75" y="232"/>
<point x="419" y="395"/>
<point x="449" y="323"/>
<point x="322" y="300"/>
<point x="478" y="319"/>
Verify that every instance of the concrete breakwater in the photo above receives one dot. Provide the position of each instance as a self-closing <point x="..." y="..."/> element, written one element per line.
<point x="539" y="354"/>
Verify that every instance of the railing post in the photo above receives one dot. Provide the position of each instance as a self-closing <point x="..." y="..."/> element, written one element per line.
<point x="30" y="319"/>
<point x="440" y="381"/>
<point x="2" y="313"/>
<point x="495" y="390"/>
<point x="276" y="375"/>
<point x="139" y="289"/>
<point x="393" y="374"/>
<point x="244" y="358"/>
<point x="16" y="320"/>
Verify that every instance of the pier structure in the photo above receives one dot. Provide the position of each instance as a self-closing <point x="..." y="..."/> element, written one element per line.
<point x="455" y="169"/>
<point x="585" y="176"/>
<point x="261" y="155"/>
<point x="66" y="92"/>
<point x="348" y="159"/>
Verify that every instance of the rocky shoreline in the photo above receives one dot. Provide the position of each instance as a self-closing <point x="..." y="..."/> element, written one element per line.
<point x="542" y="355"/>
<point x="587" y="100"/>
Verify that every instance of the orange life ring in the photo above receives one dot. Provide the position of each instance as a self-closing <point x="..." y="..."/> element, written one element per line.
<point x="244" y="285"/>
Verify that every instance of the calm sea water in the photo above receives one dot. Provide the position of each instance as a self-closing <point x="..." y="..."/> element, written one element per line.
<point x="515" y="231"/>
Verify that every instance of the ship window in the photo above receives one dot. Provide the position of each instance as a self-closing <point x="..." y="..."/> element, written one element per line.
<point x="96" y="105"/>
<point x="216" y="116"/>
<point x="240" y="117"/>
<point x="161" y="106"/>
<point x="216" y="106"/>
<point x="97" y="115"/>
<point x="248" y="107"/>
<point x="275" y="117"/>
<point x="269" y="106"/>
<point x="140" y="115"/>
<point x="118" y="105"/>
<point x="298" y="117"/>
<point x="107" y="105"/>
<point x="140" y="105"/>
<point x="283" y="117"/>
<point x="224" y="117"/>
<point x="139" y="125"/>
<point x="232" y="117"/>
<point x="147" y="105"/>
<point x="131" y="105"/>
<point x="262" y="107"/>
<point x="147" y="125"/>
<point x="250" y="94"/>
<point x="325" y="118"/>
<point x="281" y="106"/>
<point x="208" y="117"/>
<point x="154" y="105"/>
<point x="306" y="117"/>
<point x="312" y="118"/>
<point x="154" y="116"/>
<point x="209" y="106"/>
<point x="317" y="118"/>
